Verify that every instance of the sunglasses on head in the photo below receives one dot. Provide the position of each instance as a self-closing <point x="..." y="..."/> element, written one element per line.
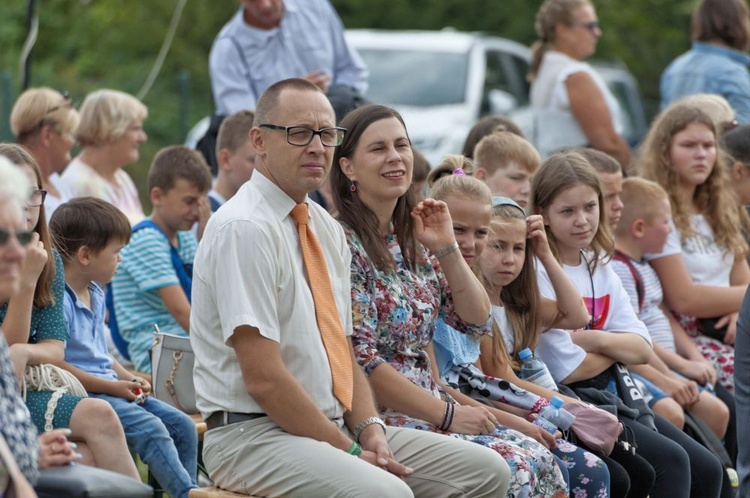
<point x="23" y="238"/>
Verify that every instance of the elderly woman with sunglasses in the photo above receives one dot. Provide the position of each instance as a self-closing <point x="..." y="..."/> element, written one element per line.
<point x="34" y="327"/>
<point x="573" y="106"/>
<point x="44" y="121"/>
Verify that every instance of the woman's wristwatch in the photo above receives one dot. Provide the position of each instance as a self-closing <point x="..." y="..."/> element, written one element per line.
<point x="365" y="424"/>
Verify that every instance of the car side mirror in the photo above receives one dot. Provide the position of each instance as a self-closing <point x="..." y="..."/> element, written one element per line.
<point x="501" y="102"/>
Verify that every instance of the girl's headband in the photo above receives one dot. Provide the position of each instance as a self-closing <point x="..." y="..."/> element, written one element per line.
<point x="498" y="200"/>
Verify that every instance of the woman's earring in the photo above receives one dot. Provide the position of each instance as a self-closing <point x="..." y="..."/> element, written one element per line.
<point x="353" y="187"/>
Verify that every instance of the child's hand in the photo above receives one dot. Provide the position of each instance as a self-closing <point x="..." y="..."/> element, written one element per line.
<point x="588" y="340"/>
<point x="204" y="213"/>
<point x="33" y="263"/>
<point x="433" y="224"/>
<point x="124" y="389"/>
<point x="701" y="371"/>
<point x="144" y="385"/>
<point x="538" y="236"/>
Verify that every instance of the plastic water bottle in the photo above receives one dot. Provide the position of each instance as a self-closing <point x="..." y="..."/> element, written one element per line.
<point x="553" y="416"/>
<point x="534" y="370"/>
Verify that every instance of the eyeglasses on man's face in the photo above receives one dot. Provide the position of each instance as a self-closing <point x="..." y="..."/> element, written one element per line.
<point x="23" y="238"/>
<point x="37" y="198"/>
<point x="301" y="136"/>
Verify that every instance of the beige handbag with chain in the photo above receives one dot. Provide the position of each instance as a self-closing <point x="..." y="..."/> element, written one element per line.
<point x="172" y="361"/>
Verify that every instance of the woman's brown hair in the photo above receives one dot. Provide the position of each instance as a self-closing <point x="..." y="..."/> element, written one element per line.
<point x="726" y="21"/>
<point x="354" y="213"/>
<point x="714" y="198"/>
<point x="558" y="173"/>
<point x="19" y="156"/>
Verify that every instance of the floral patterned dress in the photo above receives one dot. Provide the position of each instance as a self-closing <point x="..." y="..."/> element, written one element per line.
<point x="394" y="315"/>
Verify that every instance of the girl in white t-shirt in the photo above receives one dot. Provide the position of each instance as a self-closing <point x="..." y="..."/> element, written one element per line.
<point x="702" y="268"/>
<point x="567" y="193"/>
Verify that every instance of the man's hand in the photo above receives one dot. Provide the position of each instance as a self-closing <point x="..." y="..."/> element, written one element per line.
<point x="319" y="79"/>
<point x="375" y="450"/>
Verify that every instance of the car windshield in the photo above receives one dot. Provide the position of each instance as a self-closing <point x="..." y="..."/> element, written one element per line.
<point x="416" y="78"/>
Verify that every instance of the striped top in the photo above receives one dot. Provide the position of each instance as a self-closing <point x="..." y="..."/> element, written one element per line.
<point x="650" y="314"/>
<point x="146" y="267"/>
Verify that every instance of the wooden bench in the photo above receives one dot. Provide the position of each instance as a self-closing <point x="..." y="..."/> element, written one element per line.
<point x="214" y="493"/>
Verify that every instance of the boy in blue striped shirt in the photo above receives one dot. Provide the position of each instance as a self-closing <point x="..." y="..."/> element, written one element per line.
<point x="152" y="285"/>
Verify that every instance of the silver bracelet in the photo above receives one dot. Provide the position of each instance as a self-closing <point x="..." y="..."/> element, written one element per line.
<point x="445" y="250"/>
<point x="367" y="423"/>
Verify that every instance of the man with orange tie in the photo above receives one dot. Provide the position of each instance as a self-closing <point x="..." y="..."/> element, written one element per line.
<point x="289" y="411"/>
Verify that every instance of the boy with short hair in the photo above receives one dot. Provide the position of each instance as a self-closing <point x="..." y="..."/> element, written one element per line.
<point x="235" y="157"/>
<point x="152" y="285"/>
<point x="672" y="377"/>
<point x="505" y="162"/>
<point x="90" y="234"/>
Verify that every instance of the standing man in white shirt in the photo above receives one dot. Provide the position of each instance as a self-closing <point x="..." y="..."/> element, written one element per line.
<point x="266" y="380"/>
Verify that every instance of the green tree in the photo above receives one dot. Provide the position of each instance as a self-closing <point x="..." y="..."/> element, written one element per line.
<point x="89" y="44"/>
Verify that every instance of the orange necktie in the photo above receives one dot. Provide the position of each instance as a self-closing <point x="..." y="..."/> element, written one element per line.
<point x="326" y="312"/>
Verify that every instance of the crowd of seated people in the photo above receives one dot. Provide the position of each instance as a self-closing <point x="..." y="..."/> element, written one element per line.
<point x="385" y="323"/>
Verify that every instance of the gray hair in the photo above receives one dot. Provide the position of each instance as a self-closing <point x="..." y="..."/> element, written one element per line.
<point x="14" y="185"/>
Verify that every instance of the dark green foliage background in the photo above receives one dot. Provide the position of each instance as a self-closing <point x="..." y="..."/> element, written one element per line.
<point x="88" y="44"/>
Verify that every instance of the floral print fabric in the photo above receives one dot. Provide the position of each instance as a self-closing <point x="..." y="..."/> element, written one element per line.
<point x="394" y="315"/>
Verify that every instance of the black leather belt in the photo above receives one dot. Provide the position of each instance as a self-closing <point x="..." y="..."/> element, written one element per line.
<point x="220" y="419"/>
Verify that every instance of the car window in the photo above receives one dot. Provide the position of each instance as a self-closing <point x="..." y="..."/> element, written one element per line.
<point x="495" y="78"/>
<point x="416" y="78"/>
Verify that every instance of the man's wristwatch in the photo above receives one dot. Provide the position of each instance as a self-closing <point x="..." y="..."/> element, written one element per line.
<point x="367" y="423"/>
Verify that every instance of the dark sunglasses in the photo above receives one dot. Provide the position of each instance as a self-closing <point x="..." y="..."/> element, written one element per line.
<point x="23" y="238"/>
<point x="66" y="102"/>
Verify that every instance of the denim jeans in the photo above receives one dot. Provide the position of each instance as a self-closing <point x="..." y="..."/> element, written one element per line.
<point x="164" y="437"/>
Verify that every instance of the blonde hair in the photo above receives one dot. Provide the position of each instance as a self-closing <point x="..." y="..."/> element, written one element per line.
<point x="640" y="200"/>
<point x="558" y="173"/>
<point x="716" y="106"/>
<point x="460" y="186"/>
<point x="497" y="150"/>
<point x="106" y="115"/>
<point x="36" y="107"/>
<point x="448" y="167"/>
<point x="714" y="198"/>
<point x="549" y="15"/>
<point x="520" y="298"/>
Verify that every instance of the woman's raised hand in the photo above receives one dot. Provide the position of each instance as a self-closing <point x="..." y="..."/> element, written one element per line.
<point x="433" y="224"/>
<point x="33" y="263"/>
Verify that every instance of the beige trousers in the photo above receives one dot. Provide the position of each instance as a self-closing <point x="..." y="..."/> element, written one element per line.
<point x="258" y="458"/>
